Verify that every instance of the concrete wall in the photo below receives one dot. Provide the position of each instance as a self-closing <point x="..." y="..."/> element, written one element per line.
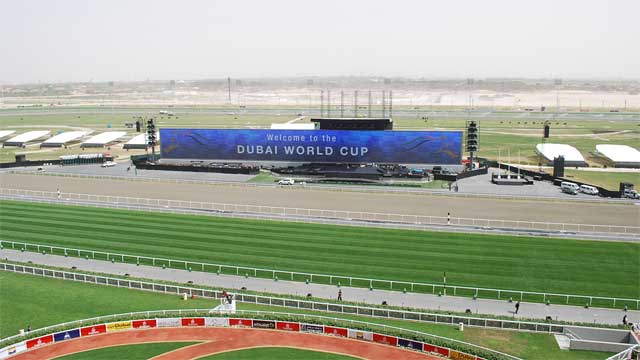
<point x="603" y="335"/>
<point x="597" y="346"/>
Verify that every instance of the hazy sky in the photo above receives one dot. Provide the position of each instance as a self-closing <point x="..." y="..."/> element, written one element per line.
<point x="54" y="41"/>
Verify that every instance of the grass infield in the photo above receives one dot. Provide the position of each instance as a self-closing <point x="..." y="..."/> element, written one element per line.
<point x="28" y="299"/>
<point x="279" y="353"/>
<point x="534" y="264"/>
<point x="129" y="352"/>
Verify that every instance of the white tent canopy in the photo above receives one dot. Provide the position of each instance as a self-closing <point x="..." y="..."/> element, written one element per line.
<point x="5" y="133"/>
<point x="619" y="154"/>
<point x="103" y="138"/>
<point x="27" y="137"/>
<point x="139" y="141"/>
<point x="552" y="151"/>
<point x="64" y="138"/>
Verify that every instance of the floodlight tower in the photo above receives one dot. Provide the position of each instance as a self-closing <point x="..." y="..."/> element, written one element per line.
<point x="151" y="138"/>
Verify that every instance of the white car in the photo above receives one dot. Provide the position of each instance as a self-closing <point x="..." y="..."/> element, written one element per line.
<point x="286" y="182"/>
<point x="631" y="194"/>
<point x="108" y="164"/>
<point x="588" y="189"/>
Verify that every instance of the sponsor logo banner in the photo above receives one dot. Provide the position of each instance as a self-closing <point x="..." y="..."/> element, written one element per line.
<point x="361" y="335"/>
<point x="288" y="326"/>
<point x="330" y="330"/>
<point x="312" y="328"/>
<point x="93" y="330"/>
<point x="168" y="322"/>
<point x="33" y="343"/>
<point x="192" y="321"/>
<point x="213" y="321"/>
<point x="66" y="335"/>
<point x="13" y="349"/>
<point x="342" y="146"/>
<point x="240" y="322"/>
<point x="385" y="339"/>
<point x="264" y="324"/>
<point x="144" y="324"/>
<point x="436" y="349"/>
<point x="457" y="355"/>
<point x="119" y="326"/>
<point x="415" y="345"/>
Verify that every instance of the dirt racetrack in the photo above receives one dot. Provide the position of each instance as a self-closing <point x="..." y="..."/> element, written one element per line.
<point x="216" y="340"/>
<point x="526" y="210"/>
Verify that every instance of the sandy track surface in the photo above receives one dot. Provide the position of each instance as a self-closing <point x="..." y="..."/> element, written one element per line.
<point x="410" y="204"/>
<point x="216" y="340"/>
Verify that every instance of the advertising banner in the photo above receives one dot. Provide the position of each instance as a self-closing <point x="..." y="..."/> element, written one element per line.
<point x="13" y="349"/>
<point x="415" y="345"/>
<point x="33" y="343"/>
<point x="457" y="355"/>
<point x="93" y="330"/>
<point x="321" y="146"/>
<point x="192" y="321"/>
<point x="240" y="322"/>
<point x="168" y="322"/>
<point x="288" y="326"/>
<point x="66" y="335"/>
<point x="436" y="349"/>
<point x="215" y="321"/>
<point x="119" y="326"/>
<point x="361" y="335"/>
<point x="312" y="328"/>
<point x="330" y="330"/>
<point x="384" y="339"/>
<point x="144" y="324"/>
<point x="264" y="324"/>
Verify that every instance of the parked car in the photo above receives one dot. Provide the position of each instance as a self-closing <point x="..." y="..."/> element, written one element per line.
<point x="588" y="189"/>
<point x="286" y="182"/>
<point x="569" y="188"/>
<point x="108" y="164"/>
<point x="631" y="194"/>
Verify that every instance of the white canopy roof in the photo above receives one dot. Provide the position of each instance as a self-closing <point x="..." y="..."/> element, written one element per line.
<point x="285" y="126"/>
<point x="552" y="151"/>
<point x="5" y="133"/>
<point x="29" y="136"/>
<point x="141" y="139"/>
<point x="65" y="137"/>
<point x="105" y="137"/>
<point x="619" y="153"/>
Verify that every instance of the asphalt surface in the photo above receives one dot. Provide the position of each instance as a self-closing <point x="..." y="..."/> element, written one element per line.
<point x="395" y="298"/>
<point x="623" y="213"/>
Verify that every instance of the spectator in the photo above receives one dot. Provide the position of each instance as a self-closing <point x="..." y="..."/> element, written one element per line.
<point x="624" y="320"/>
<point x="339" y="295"/>
<point x="517" y="306"/>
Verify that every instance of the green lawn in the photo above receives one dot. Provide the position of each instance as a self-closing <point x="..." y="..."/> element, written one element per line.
<point x="28" y="299"/>
<point x="129" y="352"/>
<point x="279" y="353"/>
<point x="533" y="264"/>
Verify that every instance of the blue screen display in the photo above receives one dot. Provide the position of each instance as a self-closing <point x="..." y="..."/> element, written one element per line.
<point x="329" y="146"/>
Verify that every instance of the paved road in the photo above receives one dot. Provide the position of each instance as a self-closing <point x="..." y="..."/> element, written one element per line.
<point x="423" y="301"/>
<point x="625" y="214"/>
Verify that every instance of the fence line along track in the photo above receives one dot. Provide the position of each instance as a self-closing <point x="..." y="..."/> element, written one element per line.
<point x="347" y="188"/>
<point x="247" y="314"/>
<point x="348" y="216"/>
<point x="349" y="309"/>
<point x="331" y="279"/>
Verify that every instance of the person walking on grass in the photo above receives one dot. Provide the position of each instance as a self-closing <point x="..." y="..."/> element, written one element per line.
<point x="517" y="306"/>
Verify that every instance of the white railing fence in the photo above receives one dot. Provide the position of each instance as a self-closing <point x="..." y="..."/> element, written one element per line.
<point x="346" y="216"/>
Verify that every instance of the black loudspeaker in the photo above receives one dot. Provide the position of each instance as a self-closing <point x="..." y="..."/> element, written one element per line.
<point x="558" y="166"/>
<point x="21" y="158"/>
<point x="138" y="126"/>
<point x="546" y="131"/>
